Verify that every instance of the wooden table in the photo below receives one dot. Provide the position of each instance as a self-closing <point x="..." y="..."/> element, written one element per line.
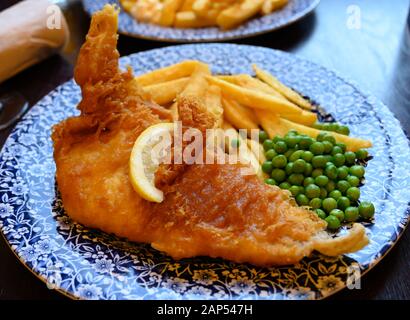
<point x="377" y="56"/>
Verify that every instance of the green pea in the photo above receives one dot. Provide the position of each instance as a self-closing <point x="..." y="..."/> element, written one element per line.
<point x="277" y="138"/>
<point x="299" y="166"/>
<point x="321" y="181"/>
<point x="285" y="185"/>
<point x="296" y="179"/>
<point x="343" y="185"/>
<point x="315" y="203"/>
<point x="335" y="194"/>
<point x="305" y="143"/>
<point x="307" y="156"/>
<point x="328" y="147"/>
<point x="235" y="143"/>
<point x="336" y="150"/>
<point x="333" y="223"/>
<point x="270" y="181"/>
<point x="296" y="155"/>
<point x="308" y="169"/>
<point x="339" y="159"/>
<point x="267" y="167"/>
<point x="318" y="125"/>
<point x="362" y="154"/>
<point x="279" y="161"/>
<point x="331" y="171"/>
<point x="353" y="181"/>
<point x="329" y="204"/>
<point x="338" y="214"/>
<point x="330" y="139"/>
<point x="353" y="193"/>
<point x="288" y="153"/>
<point x="321" y="214"/>
<point x="317" y="148"/>
<point x="321" y="136"/>
<point x="350" y="158"/>
<point x="292" y="131"/>
<point x="342" y="146"/>
<point x="323" y="193"/>
<point x="280" y="147"/>
<point x="357" y="171"/>
<point x="319" y="162"/>
<point x="301" y="189"/>
<point x="263" y="136"/>
<point x="294" y="190"/>
<point x="351" y="214"/>
<point x="343" y="203"/>
<point x="289" y="168"/>
<point x="312" y="191"/>
<point x="342" y="173"/>
<point x="292" y="140"/>
<point x="366" y="210"/>
<point x="302" y="200"/>
<point x="331" y="185"/>
<point x="317" y="172"/>
<point x="279" y="175"/>
<point x="268" y="144"/>
<point x="308" y="181"/>
<point x="343" y="130"/>
<point x="270" y="154"/>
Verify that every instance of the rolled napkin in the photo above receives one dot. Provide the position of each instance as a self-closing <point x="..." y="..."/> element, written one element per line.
<point x="30" y="31"/>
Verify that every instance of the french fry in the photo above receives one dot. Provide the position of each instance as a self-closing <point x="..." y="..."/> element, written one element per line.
<point x="284" y="90"/>
<point x="238" y="13"/>
<point x="188" y="19"/>
<point x="197" y="84"/>
<point x="168" y="12"/>
<point x="187" y="5"/>
<point x="272" y="5"/>
<point x="239" y="116"/>
<point x="245" y="80"/>
<point x="306" y="118"/>
<point x="201" y="7"/>
<point x="173" y="72"/>
<point x="166" y="92"/>
<point x="127" y="4"/>
<point x="213" y="102"/>
<point x="274" y="125"/>
<point x="174" y="111"/>
<point x="245" y="155"/>
<point x="257" y="150"/>
<point x="254" y="99"/>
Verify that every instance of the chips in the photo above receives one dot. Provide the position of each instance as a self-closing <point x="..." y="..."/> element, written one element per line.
<point x="238" y="101"/>
<point x="226" y="14"/>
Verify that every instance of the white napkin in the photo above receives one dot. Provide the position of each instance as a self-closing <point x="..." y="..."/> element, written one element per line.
<point x="30" y="31"/>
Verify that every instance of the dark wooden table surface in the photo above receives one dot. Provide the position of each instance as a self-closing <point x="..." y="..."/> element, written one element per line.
<point x="375" y="52"/>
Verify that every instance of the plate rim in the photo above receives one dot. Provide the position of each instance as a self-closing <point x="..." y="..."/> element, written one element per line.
<point x="381" y="254"/>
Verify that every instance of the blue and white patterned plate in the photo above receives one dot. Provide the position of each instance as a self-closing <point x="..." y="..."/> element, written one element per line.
<point x="294" y="11"/>
<point x="90" y="264"/>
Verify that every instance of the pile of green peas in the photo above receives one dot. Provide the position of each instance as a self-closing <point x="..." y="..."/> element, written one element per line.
<point x="332" y="126"/>
<point x="319" y="173"/>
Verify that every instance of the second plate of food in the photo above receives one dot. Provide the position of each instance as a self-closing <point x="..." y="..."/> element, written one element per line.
<point x="286" y="13"/>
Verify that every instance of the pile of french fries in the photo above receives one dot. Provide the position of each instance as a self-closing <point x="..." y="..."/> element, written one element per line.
<point x="226" y="14"/>
<point x="239" y="102"/>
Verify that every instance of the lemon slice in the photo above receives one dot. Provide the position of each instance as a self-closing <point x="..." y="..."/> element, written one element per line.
<point x="144" y="161"/>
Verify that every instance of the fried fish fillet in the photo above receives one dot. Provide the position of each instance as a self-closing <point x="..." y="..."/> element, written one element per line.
<point x="208" y="210"/>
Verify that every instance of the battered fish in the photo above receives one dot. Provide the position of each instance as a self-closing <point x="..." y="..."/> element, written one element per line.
<point x="209" y="210"/>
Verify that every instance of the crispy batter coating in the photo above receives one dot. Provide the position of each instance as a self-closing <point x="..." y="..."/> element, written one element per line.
<point x="209" y="210"/>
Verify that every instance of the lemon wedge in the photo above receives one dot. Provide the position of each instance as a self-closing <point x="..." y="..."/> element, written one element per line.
<point x="144" y="161"/>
